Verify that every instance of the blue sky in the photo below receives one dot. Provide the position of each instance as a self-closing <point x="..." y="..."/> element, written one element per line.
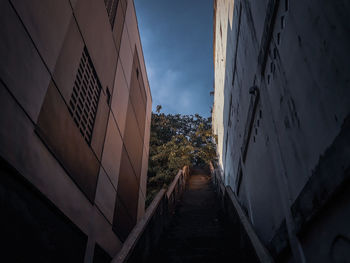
<point x="177" y="40"/>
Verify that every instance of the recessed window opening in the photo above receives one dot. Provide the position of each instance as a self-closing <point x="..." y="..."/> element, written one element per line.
<point x="111" y="7"/>
<point x="85" y="96"/>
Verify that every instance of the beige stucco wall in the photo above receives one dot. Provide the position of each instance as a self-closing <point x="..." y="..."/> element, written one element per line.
<point x="42" y="43"/>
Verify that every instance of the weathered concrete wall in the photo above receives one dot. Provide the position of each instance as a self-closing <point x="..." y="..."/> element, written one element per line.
<point x="223" y="21"/>
<point x="284" y="85"/>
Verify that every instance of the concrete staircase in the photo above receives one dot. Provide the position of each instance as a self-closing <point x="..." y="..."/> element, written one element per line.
<point x="198" y="231"/>
<point x="197" y="219"/>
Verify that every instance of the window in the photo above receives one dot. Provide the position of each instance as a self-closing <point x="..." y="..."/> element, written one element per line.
<point x="111" y="6"/>
<point x="85" y="97"/>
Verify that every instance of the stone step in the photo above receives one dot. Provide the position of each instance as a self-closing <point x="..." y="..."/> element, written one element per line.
<point x="198" y="232"/>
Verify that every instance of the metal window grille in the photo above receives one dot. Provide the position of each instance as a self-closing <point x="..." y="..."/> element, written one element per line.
<point x="111" y="6"/>
<point x="85" y="96"/>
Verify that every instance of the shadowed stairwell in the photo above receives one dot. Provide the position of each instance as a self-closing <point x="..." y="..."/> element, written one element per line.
<point x="197" y="219"/>
<point x="198" y="231"/>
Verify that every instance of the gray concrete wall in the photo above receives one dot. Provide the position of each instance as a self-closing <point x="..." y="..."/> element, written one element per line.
<point x="278" y="139"/>
<point x="41" y="47"/>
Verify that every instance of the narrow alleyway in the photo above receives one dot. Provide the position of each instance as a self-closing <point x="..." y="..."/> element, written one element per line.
<point x="197" y="232"/>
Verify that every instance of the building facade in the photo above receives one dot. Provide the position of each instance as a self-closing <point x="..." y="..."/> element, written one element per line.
<point x="281" y="113"/>
<point x="74" y="129"/>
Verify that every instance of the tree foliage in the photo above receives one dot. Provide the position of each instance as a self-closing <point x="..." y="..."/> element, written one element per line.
<point x="175" y="141"/>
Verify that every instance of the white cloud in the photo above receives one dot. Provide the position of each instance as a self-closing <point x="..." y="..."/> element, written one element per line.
<point x="164" y="83"/>
<point x="175" y="74"/>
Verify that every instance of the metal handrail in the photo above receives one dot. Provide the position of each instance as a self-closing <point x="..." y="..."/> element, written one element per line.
<point x="168" y="197"/>
<point x="261" y="252"/>
<point x="174" y="183"/>
<point x="138" y="230"/>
